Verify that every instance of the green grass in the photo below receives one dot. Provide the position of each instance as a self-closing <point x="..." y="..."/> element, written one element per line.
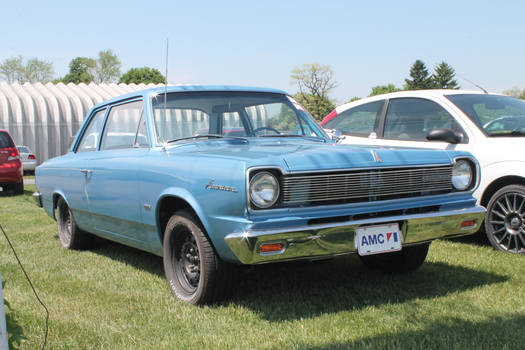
<point x="465" y="296"/>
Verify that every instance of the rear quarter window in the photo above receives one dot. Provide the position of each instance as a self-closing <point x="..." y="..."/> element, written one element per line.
<point x="5" y="140"/>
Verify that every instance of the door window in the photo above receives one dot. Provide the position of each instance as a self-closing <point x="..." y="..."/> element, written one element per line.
<point x="412" y="118"/>
<point x="89" y="140"/>
<point x="122" y="127"/>
<point x="358" y="121"/>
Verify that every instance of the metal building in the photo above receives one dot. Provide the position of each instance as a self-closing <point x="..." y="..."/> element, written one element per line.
<point x="46" y="117"/>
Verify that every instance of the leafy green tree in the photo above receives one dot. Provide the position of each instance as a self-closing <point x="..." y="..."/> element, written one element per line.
<point x="107" y="67"/>
<point x="80" y="69"/>
<point x="314" y="79"/>
<point x="355" y="98"/>
<point x="383" y="89"/>
<point x="144" y="75"/>
<point x="443" y="77"/>
<point x="420" y="77"/>
<point x="318" y="107"/>
<point x="13" y="70"/>
<point x="39" y="71"/>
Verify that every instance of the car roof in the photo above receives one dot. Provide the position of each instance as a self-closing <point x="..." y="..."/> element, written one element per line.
<point x="189" y="88"/>
<point x="410" y="93"/>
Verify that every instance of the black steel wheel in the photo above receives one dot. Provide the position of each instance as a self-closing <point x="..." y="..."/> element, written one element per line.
<point x="505" y="220"/>
<point x="70" y="236"/>
<point x="406" y="260"/>
<point x="194" y="271"/>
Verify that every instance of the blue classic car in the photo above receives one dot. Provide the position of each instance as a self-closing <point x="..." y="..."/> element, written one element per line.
<point x="213" y="177"/>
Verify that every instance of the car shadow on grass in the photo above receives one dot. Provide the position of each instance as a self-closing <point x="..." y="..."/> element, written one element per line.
<point x="496" y="333"/>
<point x="294" y="291"/>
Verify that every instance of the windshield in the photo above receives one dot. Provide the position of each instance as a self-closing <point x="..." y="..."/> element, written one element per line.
<point x="495" y="115"/>
<point x="193" y="115"/>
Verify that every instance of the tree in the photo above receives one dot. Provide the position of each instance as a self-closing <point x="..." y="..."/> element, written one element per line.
<point x="318" y="106"/>
<point x="383" y="89"/>
<point x="144" y="75"/>
<point x="355" y="98"/>
<point x="420" y="77"/>
<point x="39" y="71"/>
<point x="443" y="77"/>
<point x="314" y="79"/>
<point x="80" y="70"/>
<point x="107" y="67"/>
<point x="13" y="70"/>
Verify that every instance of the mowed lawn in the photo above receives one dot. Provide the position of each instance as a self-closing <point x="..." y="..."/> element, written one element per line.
<point x="466" y="296"/>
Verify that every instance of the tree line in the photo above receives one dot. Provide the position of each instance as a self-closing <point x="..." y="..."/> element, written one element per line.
<point x="316" y="81"/>
<point x="103" y="69"/>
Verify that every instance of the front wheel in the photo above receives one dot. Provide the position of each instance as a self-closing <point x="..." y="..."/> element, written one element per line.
<point x="505" y="220"/>
<point x="406" y="260"/>
<point x="194" y="272"/>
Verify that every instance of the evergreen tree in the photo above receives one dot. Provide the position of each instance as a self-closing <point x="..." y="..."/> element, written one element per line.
<point x="443" y="77"/>
<point x="420" y="77"/>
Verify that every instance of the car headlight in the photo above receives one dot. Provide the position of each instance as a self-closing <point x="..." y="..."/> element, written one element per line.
<point x="264" y="189"/>
<point x="462" y="175"/>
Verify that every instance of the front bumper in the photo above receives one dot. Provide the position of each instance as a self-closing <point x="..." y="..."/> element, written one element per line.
<point x="317" y="241"/>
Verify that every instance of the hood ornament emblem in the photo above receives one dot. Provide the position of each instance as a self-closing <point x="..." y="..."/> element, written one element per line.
<point x="377" y="158"/>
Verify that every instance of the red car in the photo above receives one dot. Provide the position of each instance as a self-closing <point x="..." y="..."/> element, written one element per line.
<point x="11" y="171"/>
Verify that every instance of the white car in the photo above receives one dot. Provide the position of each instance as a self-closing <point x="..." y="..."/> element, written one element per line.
<point x="490" y="126"/>
<point x="29" y="161"/>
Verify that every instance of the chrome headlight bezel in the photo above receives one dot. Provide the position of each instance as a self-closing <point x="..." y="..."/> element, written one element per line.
<point x="464" y="175"/>
<point x="267" y="182"/>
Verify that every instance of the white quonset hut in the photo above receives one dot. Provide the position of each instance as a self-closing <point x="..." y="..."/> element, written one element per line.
<point x="45" y="117"/>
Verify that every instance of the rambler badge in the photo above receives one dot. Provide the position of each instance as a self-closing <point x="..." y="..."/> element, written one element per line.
<point x="211" y="186"/>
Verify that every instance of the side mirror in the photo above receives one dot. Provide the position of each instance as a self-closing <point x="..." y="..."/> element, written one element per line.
<point x="445" y="135"/>
<point x="337" y="135"/>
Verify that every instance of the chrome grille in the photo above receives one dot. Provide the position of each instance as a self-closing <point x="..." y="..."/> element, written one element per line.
<point x="364" y="185"/>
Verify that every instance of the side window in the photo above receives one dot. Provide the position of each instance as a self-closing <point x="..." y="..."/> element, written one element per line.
<point x="122" y="127"/>
<point x="89" y="140"/>
<point x="358" y="121"/>
<point x="412" y="118"/>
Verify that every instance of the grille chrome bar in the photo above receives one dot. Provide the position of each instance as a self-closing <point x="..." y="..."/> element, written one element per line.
<point x="365" y="185"/>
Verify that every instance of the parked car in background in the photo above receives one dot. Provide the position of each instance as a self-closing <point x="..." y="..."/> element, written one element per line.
<point x="11" y="176"/>
<point x="490" y="126"/>
<point x="28" y="158"/>
<point x="160" y="173"/>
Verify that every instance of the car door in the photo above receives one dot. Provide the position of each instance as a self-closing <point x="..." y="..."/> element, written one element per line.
<point x="111" y="183"/>
<point x="408" y="120"/>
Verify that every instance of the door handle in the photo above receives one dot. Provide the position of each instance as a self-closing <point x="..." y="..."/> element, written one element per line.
<point x="86" y="171"/>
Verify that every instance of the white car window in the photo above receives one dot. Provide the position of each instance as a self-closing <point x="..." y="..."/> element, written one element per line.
<point x="358" y="121"/>
<point x="412" y="118"/>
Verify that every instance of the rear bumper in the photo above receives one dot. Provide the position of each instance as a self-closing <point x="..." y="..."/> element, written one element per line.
<point x="334" y="239"/>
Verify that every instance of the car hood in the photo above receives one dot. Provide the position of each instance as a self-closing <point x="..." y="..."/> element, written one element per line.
<point x="304" y="155"/>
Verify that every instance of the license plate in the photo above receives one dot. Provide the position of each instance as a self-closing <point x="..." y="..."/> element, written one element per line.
<point x="378" y="239"/>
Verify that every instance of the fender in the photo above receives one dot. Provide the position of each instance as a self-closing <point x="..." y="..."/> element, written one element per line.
<point x="494" y="171"/>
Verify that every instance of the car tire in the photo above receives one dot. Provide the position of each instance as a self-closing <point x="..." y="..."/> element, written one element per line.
<point x="505" y="220"/>
<point x="194" y="271"/>
<point x="70" y="236"/>
<point x="19" y="187"/>
<point x="406" y="260"/>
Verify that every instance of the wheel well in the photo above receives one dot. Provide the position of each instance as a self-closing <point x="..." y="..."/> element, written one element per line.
<point x="499" y="183"/>
<point x="56" y="196"/>
<point x="167" y="207"/>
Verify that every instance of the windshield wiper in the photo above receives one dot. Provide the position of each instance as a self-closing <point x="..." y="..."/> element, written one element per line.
<point x="509" y="133"/>
<point x="210" y="136"/>
<point x="315" y="138"/>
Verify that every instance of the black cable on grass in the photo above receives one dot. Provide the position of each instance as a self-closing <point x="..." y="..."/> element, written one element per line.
<point x="31" y="284"/>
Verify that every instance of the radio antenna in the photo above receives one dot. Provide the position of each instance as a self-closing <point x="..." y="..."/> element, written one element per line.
<point x="476" y="85"/>
<point x="166" y="82"/>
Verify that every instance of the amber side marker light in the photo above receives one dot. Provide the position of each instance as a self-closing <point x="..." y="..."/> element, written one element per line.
<point x="468" y="223"/>
<point x="271" y="247"/>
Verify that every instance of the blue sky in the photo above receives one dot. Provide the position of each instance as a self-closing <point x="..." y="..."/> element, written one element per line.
<point x="258" y="43"/>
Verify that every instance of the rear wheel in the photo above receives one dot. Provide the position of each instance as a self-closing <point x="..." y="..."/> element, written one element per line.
<point x="71" y="237"/>
<point x="194" y="272"/>
<point x="406" y="260"/>
<point x="505" y="220"/>
<point x="19" y="187"/>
